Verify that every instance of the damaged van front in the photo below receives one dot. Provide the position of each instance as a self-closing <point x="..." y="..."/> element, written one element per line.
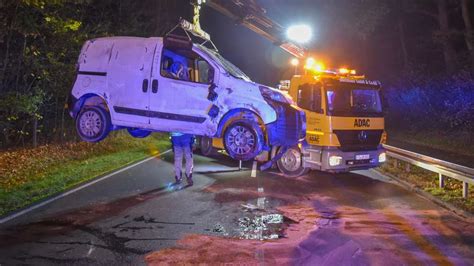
<point x="170" y="85"/>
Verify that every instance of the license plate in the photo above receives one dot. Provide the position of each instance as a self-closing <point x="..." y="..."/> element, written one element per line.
<point x="362" y="156"/>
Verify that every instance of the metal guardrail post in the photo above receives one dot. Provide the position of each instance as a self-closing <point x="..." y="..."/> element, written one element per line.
<point x="465" y="190"/>
<point x="441" y="181"/>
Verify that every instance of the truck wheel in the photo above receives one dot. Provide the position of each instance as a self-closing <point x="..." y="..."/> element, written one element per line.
<point x="205" y="145"/>
<point x="93" y="123"/>
<point x="291" y="163"/>
<point x="138" y="133"/>
<point x="243" y="140"/>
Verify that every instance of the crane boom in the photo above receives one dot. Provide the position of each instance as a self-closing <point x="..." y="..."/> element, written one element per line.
<point x="252" y="16"/>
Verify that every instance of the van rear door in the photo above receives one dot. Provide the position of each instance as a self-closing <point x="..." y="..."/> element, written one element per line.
<point x="129" y="81"/>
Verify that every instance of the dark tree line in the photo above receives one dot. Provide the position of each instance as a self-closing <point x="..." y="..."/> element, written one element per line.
<point x="436" y="35"/>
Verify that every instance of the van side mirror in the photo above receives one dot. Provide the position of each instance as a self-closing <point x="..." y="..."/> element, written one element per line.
<point x="177" y="41"/>
<point x="212" y="96"/>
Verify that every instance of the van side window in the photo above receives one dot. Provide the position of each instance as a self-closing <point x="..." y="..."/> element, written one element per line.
<point x="309" y="97"/>
<point x="185" y="65"/>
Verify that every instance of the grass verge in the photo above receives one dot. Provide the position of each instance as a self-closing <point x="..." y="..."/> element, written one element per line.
<point x="428" y="182"/>
<point x="29" y="175"/>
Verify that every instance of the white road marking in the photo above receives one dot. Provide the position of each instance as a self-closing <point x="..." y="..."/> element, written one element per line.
<point x="261" y="203"/>
<point x="254" y="169"/>
<point x="260" y="200"/>
<point x="69" y="192"/>
<point x="91" y="249"/>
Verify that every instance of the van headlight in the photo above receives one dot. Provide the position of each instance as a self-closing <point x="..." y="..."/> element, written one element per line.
<point x="276" y="96"/>
<point x="382" y="157"/>
<point x="335" y="160"/>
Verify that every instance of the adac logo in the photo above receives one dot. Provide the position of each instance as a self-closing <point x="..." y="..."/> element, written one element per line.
<point x="362" y="122"/>
<point x="362" y="136"/>
<point x="314" y="138"/>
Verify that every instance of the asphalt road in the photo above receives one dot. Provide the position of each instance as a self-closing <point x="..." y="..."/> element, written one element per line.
<point x="136" y="217"/>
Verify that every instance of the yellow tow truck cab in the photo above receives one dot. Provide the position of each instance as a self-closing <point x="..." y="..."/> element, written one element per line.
<point x="344" y="122"/>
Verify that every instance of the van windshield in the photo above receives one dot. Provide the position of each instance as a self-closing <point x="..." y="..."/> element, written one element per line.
<point x="228" y="66"/>
<point x="353" y="102"/>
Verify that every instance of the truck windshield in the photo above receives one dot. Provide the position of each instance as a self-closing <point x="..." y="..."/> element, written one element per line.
<point x="228" y="66"/>
<point x="353" y="102"/>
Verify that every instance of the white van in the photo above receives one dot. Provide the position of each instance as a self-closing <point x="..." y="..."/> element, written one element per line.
<point x="171" y="85"/>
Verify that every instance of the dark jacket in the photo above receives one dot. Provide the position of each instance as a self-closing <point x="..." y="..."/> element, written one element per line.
<point x="182" y="140"/>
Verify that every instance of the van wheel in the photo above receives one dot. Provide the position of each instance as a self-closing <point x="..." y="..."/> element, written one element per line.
<point x="93" y="123"/>
<point x="205" y="145"/>
<point x="138" y="133"/>
<point x="243" y="140"/>
<point x="291" y="163"/>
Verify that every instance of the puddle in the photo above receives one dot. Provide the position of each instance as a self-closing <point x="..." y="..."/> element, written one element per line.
<point x="262" y="227"/>
<point x="255" y="225"/>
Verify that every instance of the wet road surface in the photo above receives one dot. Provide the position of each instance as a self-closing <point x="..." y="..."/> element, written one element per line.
<point x="137" y="217"/>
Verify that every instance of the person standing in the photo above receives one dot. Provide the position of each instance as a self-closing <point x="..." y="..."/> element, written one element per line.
<point x="182" y="147"/>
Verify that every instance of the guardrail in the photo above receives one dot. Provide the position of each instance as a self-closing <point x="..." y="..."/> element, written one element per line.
<point x="443" y="168"/>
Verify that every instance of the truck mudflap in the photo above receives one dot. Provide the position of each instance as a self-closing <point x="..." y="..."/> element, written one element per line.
<point x="289" y="129"/>
<point x="332" y="159"/>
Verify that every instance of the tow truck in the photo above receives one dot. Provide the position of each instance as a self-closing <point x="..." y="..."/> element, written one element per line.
<point x="345" y="122"/>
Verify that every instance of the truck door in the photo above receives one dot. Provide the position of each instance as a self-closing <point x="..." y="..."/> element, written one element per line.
<point x="129" y="81"/>
<point x="309" y="98"/>
<point x="180" y="88"/>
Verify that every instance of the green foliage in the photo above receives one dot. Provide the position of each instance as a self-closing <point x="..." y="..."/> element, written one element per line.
<point x="18" y="109"/>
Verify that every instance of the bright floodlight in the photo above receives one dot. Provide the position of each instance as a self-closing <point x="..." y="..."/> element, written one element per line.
<point x="299" y="33"/>
<point x="294" y="61"/>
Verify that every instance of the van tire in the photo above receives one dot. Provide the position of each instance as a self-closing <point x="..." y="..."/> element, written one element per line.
<point x="243" y="139"/>
<point x="205" y="145"/>
<point x="85" y="127"/>
<point x="138" y="133"/>
<point x="291" y="163"/>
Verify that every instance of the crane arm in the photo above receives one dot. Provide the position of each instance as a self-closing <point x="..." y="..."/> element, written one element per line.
<point x="252" y="16"/>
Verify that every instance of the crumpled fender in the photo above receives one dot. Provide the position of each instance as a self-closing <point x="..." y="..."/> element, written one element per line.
<point x="234" y="95"/>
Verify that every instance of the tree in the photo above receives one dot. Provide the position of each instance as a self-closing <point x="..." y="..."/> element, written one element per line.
<point x="444" y="36"/>
<point x="468" y="33"/>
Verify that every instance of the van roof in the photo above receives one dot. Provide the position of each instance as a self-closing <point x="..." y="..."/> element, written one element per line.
<point x="97" y="53"/>
<point x="118" y="38"/>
